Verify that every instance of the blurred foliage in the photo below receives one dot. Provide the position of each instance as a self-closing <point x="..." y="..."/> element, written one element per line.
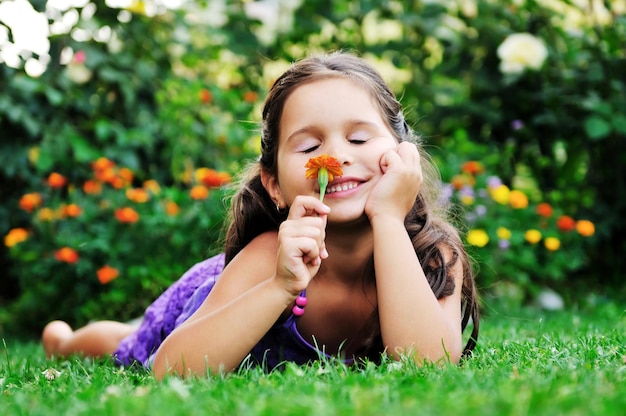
<point x="170" y="91"/>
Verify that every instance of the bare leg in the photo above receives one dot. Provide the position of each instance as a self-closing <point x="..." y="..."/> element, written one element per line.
<point x="94" y="340"/>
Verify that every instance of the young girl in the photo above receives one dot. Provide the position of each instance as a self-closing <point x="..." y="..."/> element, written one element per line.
<point x="372" y="269"/>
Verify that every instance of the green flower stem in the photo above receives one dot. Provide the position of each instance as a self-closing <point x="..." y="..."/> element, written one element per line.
<point x="322" y="179"/>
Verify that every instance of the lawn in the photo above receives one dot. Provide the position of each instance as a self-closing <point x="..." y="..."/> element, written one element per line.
<point x="529" y="362"/>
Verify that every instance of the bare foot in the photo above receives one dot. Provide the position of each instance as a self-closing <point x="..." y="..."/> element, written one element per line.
<point x="53" y="334"/>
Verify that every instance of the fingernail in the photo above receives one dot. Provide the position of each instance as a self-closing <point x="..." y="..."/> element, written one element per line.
<point x="324" y="254"/>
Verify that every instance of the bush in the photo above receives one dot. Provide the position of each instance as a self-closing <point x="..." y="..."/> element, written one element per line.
<point x="108" y="246"/>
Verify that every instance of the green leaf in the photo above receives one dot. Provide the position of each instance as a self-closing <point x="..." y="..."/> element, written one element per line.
<point x="596" y="127"/>
<point x="83" y="151"/>
<point x="619" y="123"/>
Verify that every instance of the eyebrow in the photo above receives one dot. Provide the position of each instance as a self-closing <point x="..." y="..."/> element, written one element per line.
<point x="351" y="123"/>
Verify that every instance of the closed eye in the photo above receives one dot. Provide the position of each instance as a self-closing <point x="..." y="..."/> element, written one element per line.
<point x="310" y="149"/>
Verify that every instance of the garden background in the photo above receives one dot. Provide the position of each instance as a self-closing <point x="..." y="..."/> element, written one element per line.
<point x="123" y="123"/>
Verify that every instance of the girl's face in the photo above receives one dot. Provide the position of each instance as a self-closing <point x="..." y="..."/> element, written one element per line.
<point x="337" y="117"/>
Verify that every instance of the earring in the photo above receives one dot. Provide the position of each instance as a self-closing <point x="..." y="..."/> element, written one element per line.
<point x="279" y="209"/>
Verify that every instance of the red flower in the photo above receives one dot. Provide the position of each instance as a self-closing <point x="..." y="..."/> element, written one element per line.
<point x="66" y="255"/>
<point x="126" y="215"/>
<point x="565" y="223"/>
<point x="107" y="273"/>
<point x="212" y="178"/>
<point x="472" y="167"/>
<point x="544" y="209"/>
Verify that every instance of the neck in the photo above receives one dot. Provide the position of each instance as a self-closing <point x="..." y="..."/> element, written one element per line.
<point x="350" y="253"/>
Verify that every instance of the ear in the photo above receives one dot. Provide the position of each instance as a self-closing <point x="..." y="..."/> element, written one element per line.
<point x="270" y="183"/>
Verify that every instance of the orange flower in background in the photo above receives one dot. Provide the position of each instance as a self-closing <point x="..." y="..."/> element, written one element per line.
<point x="205" y="96"/>
<point x="103" y="164"/>
<point x="92" y="187"/>
<point x="566" y="223"/>
<point x="107" y="273"/>
<point x="585" y="228"/>
<point x="138" y="195"/>
<point x="106" y="175"/>
<point x="324" y="168"/>
<point x="171" y="208"/>
<point x="30" y="201"/>
<point x="15" y="236"/>
<point x="552" y="243"/>
<point x="199" y="192"/>
<point x="126" y="175"/>
<point x="459" y="181"/>
<point x="126" y="215"/>
<point x="46" y="214"/>
<point x="71" y="210"/>
<point x="212" y="178"/>
<point x="472" y="167"/>
<point x="518" y="199"/>
<point x="66" y="255"/>
<point x="152" y="186"/>
<point x="250" y="97"/>
<point x="56" y="180"/>
<point x="544" y="209"/>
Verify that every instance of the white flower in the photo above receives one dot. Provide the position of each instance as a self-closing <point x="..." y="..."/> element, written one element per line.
<point x="521" y="51"/>
<point x="51" y="373"/>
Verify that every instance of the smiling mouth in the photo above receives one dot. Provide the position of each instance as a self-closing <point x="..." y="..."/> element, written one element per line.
<point x="345" y="186"/>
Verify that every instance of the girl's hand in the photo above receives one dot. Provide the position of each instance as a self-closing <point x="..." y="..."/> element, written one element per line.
<point x="402" y="180"/>
<point x="301" y="246"/>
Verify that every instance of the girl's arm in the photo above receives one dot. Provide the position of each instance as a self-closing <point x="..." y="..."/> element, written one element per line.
<point x="256" y="287"/>
<point x="412" y="320"/>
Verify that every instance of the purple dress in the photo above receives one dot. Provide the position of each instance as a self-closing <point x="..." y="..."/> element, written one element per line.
<point x="281" y="343"/>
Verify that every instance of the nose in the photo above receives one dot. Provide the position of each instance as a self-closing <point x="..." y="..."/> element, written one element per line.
<point x="340" y="149"/>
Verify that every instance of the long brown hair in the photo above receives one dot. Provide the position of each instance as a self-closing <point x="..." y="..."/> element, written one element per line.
<point x="253" y="211"/>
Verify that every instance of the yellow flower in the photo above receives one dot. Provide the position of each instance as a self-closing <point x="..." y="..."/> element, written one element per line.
<point x="532" y="236"/>
<point x="501" y="194"/>
<point x="478" y="238"/>
<point x="46" y="214"/>
<point x="503" y="233"/>
<point x="467" y="200"/>
<point x="552" y="243"/>
<point x="518" y="199"/>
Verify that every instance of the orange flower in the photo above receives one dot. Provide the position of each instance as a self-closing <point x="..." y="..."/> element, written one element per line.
<point x="171" y="208"/>
<point x="107" y="273"/>
<point x="212" y="178"/>
<point x="152" y="186"/>
<point x="518" y="199"/>
<point x="46" y="214"/>
<point x="544" y="209"/>
<point x="199" y="192"/>
<point x="71" y="210"/>
<point x="472" y="167"/>
<point x="585" y="228"/>
<point x="56" y="180"/>
<point x="250" y="97"/>
<point x="459" y="181"/>
<point x="566" y="223"/>
<point x="30" y="201"/>
<point x="126" y="215"/>
<point x="103" y="164"/>
<point x="138" y="195"/>
<point x="126" y="175"/>
<point x="92" y="187"/>
<point x="205" y="96"/>
<point x="324" y="168"/>
<point x="66" y="255"/>
<point x="15" y="236"/>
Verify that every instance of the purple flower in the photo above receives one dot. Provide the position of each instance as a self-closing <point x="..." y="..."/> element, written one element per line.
<point x="481" y="210"/>
<point x="466" y="191"/>
<point x="493" y="182"/>
<point x="504" y="244"/>
<point x="517" y="124"/>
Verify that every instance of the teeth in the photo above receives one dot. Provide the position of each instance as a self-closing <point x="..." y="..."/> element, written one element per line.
<point x="341" y="187"/>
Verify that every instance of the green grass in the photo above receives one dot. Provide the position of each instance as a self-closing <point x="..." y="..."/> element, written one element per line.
<point x="528" y="363"/>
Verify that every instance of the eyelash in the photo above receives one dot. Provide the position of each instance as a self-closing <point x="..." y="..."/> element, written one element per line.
<point x="353" y="141"/>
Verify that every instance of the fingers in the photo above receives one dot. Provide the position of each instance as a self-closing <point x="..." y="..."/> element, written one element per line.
<point x="307" y="206"/>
